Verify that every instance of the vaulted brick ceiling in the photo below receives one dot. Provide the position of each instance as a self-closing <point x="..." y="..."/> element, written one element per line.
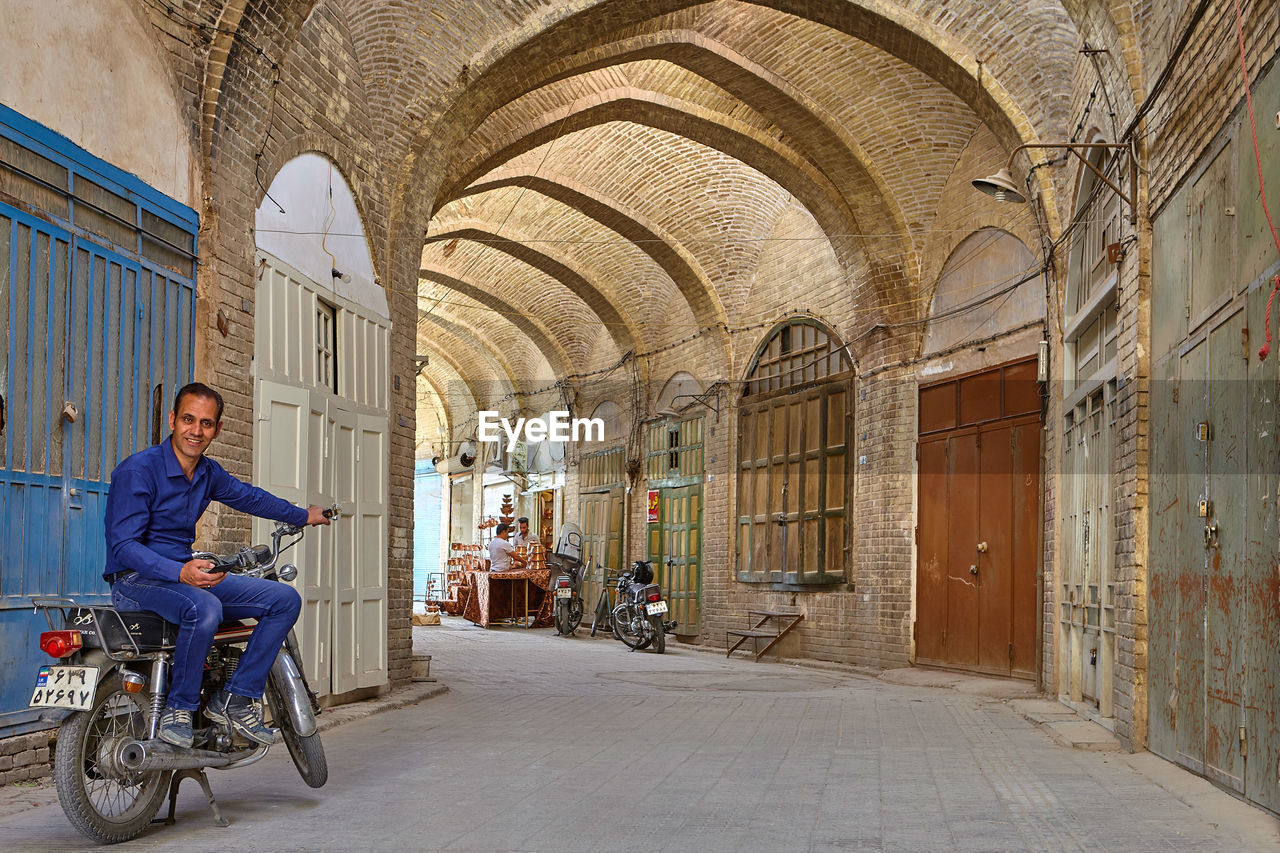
<point x="611" y="185"/>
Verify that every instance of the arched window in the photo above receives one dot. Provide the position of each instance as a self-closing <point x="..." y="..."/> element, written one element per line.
<point x="795" y="421"/>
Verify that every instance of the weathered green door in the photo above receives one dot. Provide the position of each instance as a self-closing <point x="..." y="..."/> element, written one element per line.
<point x="675" y="546"/>
<point x="674" y="467"/>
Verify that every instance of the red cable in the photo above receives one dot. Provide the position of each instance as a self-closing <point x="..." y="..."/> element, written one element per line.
<point x="1262" y="186"/>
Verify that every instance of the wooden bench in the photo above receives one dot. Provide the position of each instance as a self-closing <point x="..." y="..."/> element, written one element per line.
<point x="764" y="629"/>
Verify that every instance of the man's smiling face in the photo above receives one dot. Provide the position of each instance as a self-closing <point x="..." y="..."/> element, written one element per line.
<point x="195" y="425"/>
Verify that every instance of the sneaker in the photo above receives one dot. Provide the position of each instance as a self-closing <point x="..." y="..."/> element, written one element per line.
<point x="242" y="715"/>
<point x="175" y="727"/>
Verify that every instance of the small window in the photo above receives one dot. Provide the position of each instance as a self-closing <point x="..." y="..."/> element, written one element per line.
<point x="327" y="345"/>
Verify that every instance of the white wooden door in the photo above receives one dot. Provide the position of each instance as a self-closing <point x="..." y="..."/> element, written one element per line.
<point x="289" y="441"/>
<point x="370" y="564"/>
<point x="343" y="458"/>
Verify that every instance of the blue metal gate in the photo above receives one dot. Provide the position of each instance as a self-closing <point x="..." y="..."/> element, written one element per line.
<point x="97" y="305"/>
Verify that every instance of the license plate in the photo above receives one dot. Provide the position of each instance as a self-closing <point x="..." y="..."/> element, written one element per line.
<point x="655" y="609"/>
<point x="564" y="593"/>
<point x="65" y="687"/>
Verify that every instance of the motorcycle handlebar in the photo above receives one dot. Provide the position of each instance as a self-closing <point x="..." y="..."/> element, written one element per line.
<point x="260" y="556"/>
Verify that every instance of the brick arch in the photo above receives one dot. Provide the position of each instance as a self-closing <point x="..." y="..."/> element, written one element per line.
<point x="783" y="165"/>
<point x="269" y="26"/>
<point x="801" y="121"/>
<point x="509" y="346"/>
<point x="621" y="329"/>
<point x="441" y="374"/>
<point x="469" y="359"/>
<point x="912" y="36"/>
<point x="537" y="333"/>
<point x="699" y="292"/>
<point x="465" y="337"/>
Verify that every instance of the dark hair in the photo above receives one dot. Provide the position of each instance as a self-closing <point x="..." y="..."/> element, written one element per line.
<point x="501" y="529"/>
<point x="524" y="519"/>
<point x="197" y="389"/>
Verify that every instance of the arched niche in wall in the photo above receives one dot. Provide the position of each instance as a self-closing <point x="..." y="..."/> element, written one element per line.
<point x="989" y="287"/>
<point x="93" y="73"/>
<point x="683" y="385"/>
<point x="616" y="428"/>
<point x="309" y="220"/>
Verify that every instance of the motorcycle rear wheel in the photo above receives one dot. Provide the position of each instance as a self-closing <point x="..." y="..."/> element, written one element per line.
<point x="562" y="617"/>
<point x="659" y="638"/>
<point x="307" y="752"/>
<point x="575" y="614"/>
<point x="100" y="798"/>
<point x="624" y="630"/>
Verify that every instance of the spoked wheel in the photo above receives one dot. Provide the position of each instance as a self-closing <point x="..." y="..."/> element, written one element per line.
<point x="627" y="629"/>
<point x="601" y="618"/>
<point x="307" y="752"/>
<point x="562" y="617"/>
<point x="659" y="638"/>
<point x="101" y="798"/>
<point x="575" y="614"/>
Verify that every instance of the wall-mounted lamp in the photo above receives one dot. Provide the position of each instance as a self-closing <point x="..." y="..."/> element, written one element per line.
<point x="1001" y="186"/>
<point x="341" y="276"/>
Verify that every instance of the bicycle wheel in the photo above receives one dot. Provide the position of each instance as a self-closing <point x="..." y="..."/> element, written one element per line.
<point x="602" y="616"/>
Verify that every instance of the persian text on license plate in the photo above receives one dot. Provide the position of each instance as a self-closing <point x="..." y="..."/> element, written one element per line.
<point x="564" y="593"/>
<point x="65" y="687"/>
<point x="660" y="607"/>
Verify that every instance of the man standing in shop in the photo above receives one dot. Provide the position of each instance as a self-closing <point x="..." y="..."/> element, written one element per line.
<point x="502" y="553"/>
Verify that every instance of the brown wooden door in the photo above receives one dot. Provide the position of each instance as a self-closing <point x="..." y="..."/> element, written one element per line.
<point x="978" y="536"/>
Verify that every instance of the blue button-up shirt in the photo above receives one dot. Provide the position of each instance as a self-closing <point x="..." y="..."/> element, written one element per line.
<point x="152" y="510"/>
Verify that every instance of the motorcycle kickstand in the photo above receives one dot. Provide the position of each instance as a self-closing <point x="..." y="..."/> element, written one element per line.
<point x="199" y="775"/>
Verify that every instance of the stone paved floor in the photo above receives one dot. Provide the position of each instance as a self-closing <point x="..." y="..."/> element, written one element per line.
<point x="568" y="744"/>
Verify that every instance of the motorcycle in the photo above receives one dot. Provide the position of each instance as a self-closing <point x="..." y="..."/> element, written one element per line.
<point x="637" y="619"/>
<point x="108" y="689"/>
<point x="566" y="588"/>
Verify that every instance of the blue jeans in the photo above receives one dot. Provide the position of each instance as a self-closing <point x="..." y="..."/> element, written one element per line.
<point x="198" y="613"/>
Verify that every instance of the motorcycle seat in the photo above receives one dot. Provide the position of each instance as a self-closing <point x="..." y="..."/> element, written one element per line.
<point x="142" y="628"/>
<point x="148" y="631"/>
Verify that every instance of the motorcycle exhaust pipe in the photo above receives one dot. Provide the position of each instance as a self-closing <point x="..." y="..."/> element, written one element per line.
<point x="144" y="755"/>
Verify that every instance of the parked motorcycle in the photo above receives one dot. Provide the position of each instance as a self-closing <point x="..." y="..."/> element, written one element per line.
<point x="109" y="687"/>
<point x="638" y="617"/>
<point x="567" y="588"/>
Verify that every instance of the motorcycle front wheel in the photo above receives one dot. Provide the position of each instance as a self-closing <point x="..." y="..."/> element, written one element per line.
<point x="627" y="629"/>
<point x="307" y="752"/>
<point x="101" y="798"/>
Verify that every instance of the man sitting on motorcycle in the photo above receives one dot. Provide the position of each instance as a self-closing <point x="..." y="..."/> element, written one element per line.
<point x="155" y="499"/>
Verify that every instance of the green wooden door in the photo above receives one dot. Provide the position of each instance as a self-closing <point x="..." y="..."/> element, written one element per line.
<point x="675" y="546"/>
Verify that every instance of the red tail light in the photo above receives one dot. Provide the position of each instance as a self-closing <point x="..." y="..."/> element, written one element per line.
<point x="59" y="644"/>
<point x="655" y="596"/>
<point x="563" y="583"/>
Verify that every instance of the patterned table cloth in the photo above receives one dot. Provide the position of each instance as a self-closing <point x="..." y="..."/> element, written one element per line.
<point x="498" y="595"/>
